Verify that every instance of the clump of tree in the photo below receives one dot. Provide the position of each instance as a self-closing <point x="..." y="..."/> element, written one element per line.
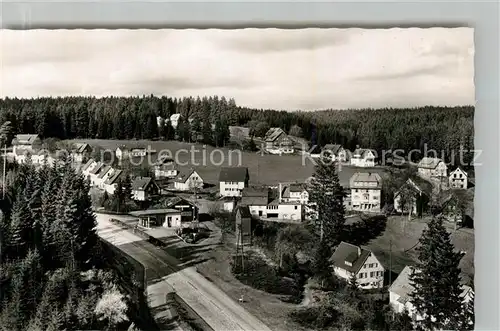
<point x="49" y="259"/>
<point x="327" y="202"/>
<point x="437" y="282"/>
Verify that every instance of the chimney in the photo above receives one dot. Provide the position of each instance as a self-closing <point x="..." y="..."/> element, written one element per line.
<point x="359" y="251"/>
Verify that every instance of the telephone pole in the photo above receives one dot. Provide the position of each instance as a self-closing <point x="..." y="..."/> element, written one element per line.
<point x="4" y="165"/>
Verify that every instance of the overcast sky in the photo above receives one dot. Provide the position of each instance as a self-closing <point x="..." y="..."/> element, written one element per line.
<point x="265" y="68"/>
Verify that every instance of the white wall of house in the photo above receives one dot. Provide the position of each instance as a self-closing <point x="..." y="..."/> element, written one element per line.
<point x="458" y="179"/>
<point x="228" y="206"/>
<point x="362" y="162"/>
<point x="440" y="171"/>
<point x="193" y="181"/>
<point x="366" y="199"/>
<point x="110" y="188"/>
<point x="285" y="212"/>
<point x="165" y="173"/>
<point x="231" y="189"/>
<point x="302" y="197"/>
<point x="173" y="219"/>
<point x="371" y="274"/>
<point x="139" y="195"/>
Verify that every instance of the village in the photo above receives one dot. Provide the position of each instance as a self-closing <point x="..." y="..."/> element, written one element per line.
<point x="168" y="200"/>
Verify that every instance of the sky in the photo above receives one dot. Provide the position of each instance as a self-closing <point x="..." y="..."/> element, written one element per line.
<point x="303" y="69"/>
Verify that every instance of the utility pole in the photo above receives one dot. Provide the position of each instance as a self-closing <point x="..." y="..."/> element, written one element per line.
<point x="390" y="262"/>
<point x="4" y="165"/>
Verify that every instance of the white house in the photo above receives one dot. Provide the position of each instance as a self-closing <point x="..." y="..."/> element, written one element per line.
<point x="260" y="205"/>
<point x="144" y="188"/>
<point x="188" y="180"/>
<point x="87" y="167"/>
<point x="363" y="157"/>
<point x="123" y="152"/>
<point x="366" y="191"/>
<point x="26" y="142"/>
<point x="158" y="120"/>
<point x="458" y="179"/>
<point x="431" y="167"/>
<point x="232" y="180"/>
<point x="165" y="168"/>
<point x="174" y="120"/>
<point x="335" y="152"/>
<point x="94" y="173"/>
<point x="101" y="176"/>
<point x="111" y="180"/>
<point x="293" y="192"/>
<point x="420" y="192"/>
<point x="80" y="152"/>
<point x="349" y="260"/>
<point x="278" y="142"/>
<point x="167" y="217"/>
<point x="256" y="199"/>
<point x="400" y="290"/>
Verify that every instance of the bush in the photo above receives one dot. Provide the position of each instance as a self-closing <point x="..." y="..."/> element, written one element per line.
<point x="316" y="317"/>
<point x="258" y="274"/>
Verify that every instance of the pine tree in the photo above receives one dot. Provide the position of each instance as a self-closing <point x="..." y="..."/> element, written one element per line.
<point x="327" y="197"/>
<point x="401" y="322"/>
<point x="20" y="227"/>
<point x="321" y="263"/>
<point x="436" y="279"/>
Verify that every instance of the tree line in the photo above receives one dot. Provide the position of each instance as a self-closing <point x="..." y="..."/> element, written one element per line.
<point x="51" y="271"/>
<point x="446" y="129"/>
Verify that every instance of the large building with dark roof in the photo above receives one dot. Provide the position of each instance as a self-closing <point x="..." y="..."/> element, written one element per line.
<point x="349" y="260"/>
<point x="232" y="180"/>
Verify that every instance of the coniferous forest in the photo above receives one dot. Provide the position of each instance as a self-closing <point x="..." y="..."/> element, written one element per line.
<point x="52" y="276"/>
<point x="444" y="129"/>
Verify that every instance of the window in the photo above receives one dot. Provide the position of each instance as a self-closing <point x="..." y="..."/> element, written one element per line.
<point x="364" y="266"/>
<point x="296" y="207"/>
<point x="372" y="274"/>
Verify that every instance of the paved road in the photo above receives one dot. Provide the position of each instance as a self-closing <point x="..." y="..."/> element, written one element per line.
<point x="210" y="303"/>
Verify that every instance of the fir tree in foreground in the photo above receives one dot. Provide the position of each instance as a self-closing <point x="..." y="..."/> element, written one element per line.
<point x="327" y="196"/>
<point x="436" y="280"/>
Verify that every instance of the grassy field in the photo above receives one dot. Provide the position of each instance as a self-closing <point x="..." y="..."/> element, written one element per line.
<point x="264" y="169"/>
<point x="402" y="242"/>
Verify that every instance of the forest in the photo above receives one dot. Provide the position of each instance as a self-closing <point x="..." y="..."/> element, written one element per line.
<point x="444" y="129"/>
<point x="52" y="272"/>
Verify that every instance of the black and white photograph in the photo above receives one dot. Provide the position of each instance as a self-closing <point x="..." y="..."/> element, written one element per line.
<point x="250" y="179"/>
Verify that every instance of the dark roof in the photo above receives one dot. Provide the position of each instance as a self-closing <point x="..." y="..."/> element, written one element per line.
<point x="112" y="179"/>
<point x="103" y="171"/>
<point x="164" y="159"/>
<point x="183" y="175"/>
<point x="81" y="147"/>
<point x="252" y="196"/>
<point x="244" y="211"/>
<point x="273" y="133"/>
<point x="419" y="185"/>
<point x="334" y="148"/>
<point x="154" y="212"/>
<point x="429" y="162"/>
<point x="233" y="174"/>
<point x="88" y="164"/>
<point x="24" y="139"/>
<point x="141" y="183"/>
<point x="348" y="252"/>
<point x="97" y="168"/>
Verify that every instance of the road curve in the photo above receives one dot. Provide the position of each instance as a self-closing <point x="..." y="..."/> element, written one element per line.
<point x="215" y="307"/>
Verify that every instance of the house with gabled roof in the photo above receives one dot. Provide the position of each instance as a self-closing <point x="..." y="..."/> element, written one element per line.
<point x="335" y="151"/>
<point x="232" y="180"/>
<point x="174" y="120"/>
<point x="98" y="181"/>
<point x="348" y="260"/>
<point x="80" y="152"/>
<point x="293" y="192"/>
<point x="29" y="142"/>
<point x="278" y="142"/>
<point x="363" y="157"/>
<point x="187" y="180"/>
<point x="401" y="289"/>
<point x="419" y="191"/>
<point x="458" y="179"/>
<point x="432" y="167"/>
<point x="144" y="188"/>
<point x="188" y="209"/>
<point x="111" y="180"/>
<point x="165" y="167"/>
<point x="366" y="189"/>
<point x="87" y="167"/>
